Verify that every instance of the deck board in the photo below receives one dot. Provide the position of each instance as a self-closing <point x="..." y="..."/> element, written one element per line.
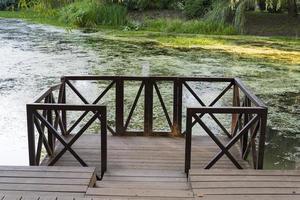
<point x="245" y="184"/>
<point x="21" y="182"/>
<point x="150" y="153"/>
<point x="146" y="168"/>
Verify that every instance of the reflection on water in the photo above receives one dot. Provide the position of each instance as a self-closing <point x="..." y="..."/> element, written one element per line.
<point x="35" y="56"/>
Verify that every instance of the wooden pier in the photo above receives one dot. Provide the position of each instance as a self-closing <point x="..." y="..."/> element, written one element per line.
<point x="177" y="163"/>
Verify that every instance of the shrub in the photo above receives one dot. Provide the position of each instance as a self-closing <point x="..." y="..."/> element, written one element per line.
<point x="149" y="4"/>
<point x="89" y="13"/>
<point x="196" y="8"/>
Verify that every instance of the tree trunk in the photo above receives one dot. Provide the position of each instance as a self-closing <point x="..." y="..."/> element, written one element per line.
<point x="292" y="8"/>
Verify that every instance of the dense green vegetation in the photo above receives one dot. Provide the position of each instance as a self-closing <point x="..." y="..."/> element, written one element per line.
<point x="92" y="13"/>
<point x="191" y="16"/>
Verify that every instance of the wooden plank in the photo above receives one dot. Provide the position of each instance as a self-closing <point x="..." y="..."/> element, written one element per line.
<point x="253" y="191"/>
<point x="144" y="185"/>
<point x="138" y="193"/>
<point x="48" y="169"/>
<point x="148" y="179"/>
<point x="265" y="178"/>
<point x="250" y="197"/>
<point x="138" y="198"/>
<point x="48" y="181"/>
<point x="145" y="173"/>
<point x="217" y="172"/>
<point x="41" y="197"/>
<point x="44" y="188"/>
<point x="41" y="194"/>
<point x="245" y="184"/>
<point x="44" y="174"/>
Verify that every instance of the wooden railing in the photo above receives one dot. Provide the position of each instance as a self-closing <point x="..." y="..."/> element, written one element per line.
<point x="47" y="116"/>
<point x="248" y="114"/>
<point x="248" y="126"/>
<point x="148" y="87"/>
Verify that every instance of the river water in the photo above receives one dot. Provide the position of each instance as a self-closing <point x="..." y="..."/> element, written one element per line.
<point x="33" y="57"/>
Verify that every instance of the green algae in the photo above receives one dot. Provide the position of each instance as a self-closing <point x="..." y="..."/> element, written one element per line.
<point x="275" y="81"/>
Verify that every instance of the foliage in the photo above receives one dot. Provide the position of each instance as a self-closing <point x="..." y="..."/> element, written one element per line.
<point x="89" y="13"/>
<point x="234" y="11"/>
<point x="43" y="7"/>
<point x="146" y="4"/>
<point x="4" y="4"/>
<point x="221" y="11"/>
<point x="190" y="26"/>
<point x="197" y="8"/>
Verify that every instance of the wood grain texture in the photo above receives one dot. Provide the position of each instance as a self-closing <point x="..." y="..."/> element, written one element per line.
<point x="245" y="184"/>
<point x="44" y="182"/>
<point x="149" y="153"/>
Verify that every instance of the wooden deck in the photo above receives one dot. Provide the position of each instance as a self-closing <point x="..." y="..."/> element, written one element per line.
<point x="147" y="153"/>
<point x="145" y="167"/>
<point x="245" y="184"/>
<point x="78" y="183"/>
<point x="47" y="182"/>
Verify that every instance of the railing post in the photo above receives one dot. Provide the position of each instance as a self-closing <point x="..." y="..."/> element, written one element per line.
<point x="188" y="141"/>
<point x="119" y="106"/>
<point x="244" y="139"/>
<point x="51" y="138"/>
<point x="103" y="142"/>
<point x="262" y="139"/>
<point x="148" y="107"/>
<point x="63" y="101"/>
<point x="177" y="107"/>
<point x="236" y="103"/>
<point x="31" y="136"/>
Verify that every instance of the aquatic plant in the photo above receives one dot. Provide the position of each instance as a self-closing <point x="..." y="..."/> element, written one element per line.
<point x="190" y="26"/>
<point x="90" y="13"/>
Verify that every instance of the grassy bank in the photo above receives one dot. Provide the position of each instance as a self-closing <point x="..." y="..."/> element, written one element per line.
<point x="92" y="15"/>
<point x="282" y="50"/>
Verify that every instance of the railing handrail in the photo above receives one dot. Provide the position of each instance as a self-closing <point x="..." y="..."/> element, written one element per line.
<point x="233" y="110"/>
<point x="234" y="80"/>
<point x="46" y="92"/>
<point x="249" y="93"/>
<point x="154" y="78"/>
<point x="61" y="106"/>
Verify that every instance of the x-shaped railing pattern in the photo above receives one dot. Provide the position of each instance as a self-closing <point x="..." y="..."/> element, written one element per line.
<point x="44" y="121"/>
<point x="132" y="109"/>
<point x="223" y="92"/>
<point x="254" y="122"/>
